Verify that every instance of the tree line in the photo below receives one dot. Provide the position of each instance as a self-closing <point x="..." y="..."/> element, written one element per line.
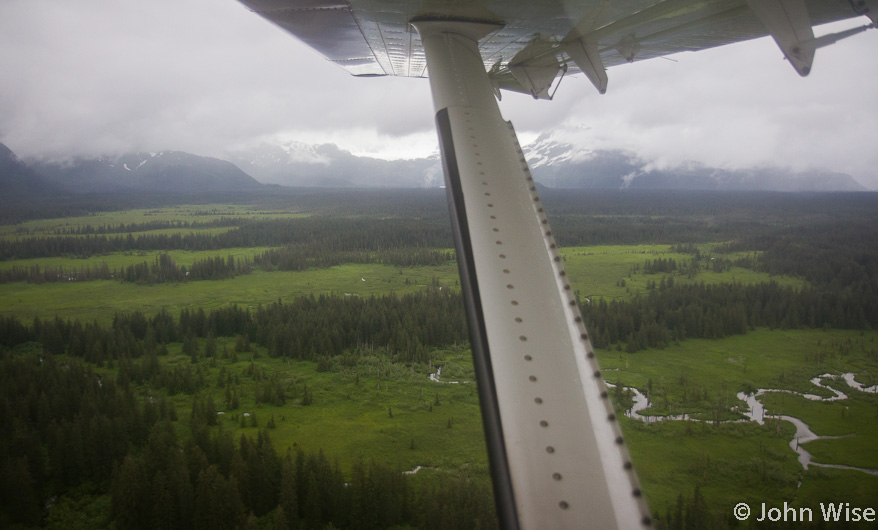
<point x="404" y="327"/>
<point x="823" y="237"/>
<point x="301" y="257"/>
<point x="123" y="228"/>
<point x="674" y="312"/>
<point x="840" y="254"/>
<point x="164" y="269"/>
<point x="314" y="234"/>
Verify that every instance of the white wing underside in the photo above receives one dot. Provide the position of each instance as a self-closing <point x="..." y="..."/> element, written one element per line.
<point x="375" y="37"/>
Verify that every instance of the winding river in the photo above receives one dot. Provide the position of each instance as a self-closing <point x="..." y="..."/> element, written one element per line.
<point x="756" y="412"/>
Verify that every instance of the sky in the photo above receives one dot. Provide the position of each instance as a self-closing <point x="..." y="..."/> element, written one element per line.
<point x="93" y="77"/>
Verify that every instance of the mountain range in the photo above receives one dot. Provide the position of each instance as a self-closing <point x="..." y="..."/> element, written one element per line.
<point x="560" y="165"/>
<point x="299" y="164"/>
<point x="17" y="179"/>
<point x="554" y="164"/>
<point x="166" y="171"/>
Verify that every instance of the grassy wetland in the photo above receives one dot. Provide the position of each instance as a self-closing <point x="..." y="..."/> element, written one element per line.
<point x="305" y="358"/>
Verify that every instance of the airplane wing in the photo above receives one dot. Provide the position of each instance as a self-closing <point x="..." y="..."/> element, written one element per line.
<point x="539" y="39"/>
<point x="557" y="456"/>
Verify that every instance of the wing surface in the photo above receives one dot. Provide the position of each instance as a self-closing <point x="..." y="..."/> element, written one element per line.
<point x="374" y="37"/>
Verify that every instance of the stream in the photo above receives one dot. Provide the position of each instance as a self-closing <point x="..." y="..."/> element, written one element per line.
<point x="435" y="377"/>
<point x="756" y="412"/>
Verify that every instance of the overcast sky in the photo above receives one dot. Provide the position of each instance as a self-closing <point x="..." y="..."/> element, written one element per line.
<point x="91" y="77"/>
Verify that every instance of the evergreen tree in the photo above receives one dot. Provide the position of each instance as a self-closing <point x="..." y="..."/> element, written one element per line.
<point x="217" y="503"/>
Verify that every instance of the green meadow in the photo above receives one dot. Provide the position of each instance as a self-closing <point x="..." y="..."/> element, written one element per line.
<point x="599" y="271"/>
<point x="191" y="213"/>
<point x="731" y="463"/>
<point x="100" y="300"/>
<point x="120" y="260"/>
<point x="852" y="422"/>
<point x="376" y="410"/>
<point x="594" y="271"/>
<point x="697" y="375"/>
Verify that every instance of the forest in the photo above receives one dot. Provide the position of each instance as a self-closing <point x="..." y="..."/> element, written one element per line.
<point x="119" y="422"/>
<point x="74" y="430"/>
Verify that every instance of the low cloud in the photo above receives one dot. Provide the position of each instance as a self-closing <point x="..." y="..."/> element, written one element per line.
<point x="205" y="76"/>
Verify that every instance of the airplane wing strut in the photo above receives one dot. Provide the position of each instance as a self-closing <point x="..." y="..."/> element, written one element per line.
<point x="557" y="456"/>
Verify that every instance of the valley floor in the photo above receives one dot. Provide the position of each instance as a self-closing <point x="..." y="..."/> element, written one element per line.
<point x="226" y="330"/>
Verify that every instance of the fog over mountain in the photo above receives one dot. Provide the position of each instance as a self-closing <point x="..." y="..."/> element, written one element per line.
<point x="299" y="164"/>
<point x="94" y="77"/>
<point x="561" y="165"/>
<point x="554" y="164"/>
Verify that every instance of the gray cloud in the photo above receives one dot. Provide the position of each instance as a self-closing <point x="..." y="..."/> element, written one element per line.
<point x="195" y="74"/>
<point x="203" y="76"/>
<point x="735" y="106"/>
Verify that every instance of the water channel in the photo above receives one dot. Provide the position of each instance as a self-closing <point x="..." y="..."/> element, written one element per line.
<point x="756" y="412"/>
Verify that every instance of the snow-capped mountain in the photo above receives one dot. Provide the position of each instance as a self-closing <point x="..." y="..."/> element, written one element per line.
<point x="561" y="165"/>
<point x="553" y="163"/>
<point x="170" y="171"/>
<point x="299" y="164"/>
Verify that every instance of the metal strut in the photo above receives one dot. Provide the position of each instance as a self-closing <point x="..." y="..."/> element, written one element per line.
<point x="556" y="454"/>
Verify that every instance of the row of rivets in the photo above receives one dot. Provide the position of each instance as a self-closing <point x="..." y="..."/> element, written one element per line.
<point x="577" y="318"/>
